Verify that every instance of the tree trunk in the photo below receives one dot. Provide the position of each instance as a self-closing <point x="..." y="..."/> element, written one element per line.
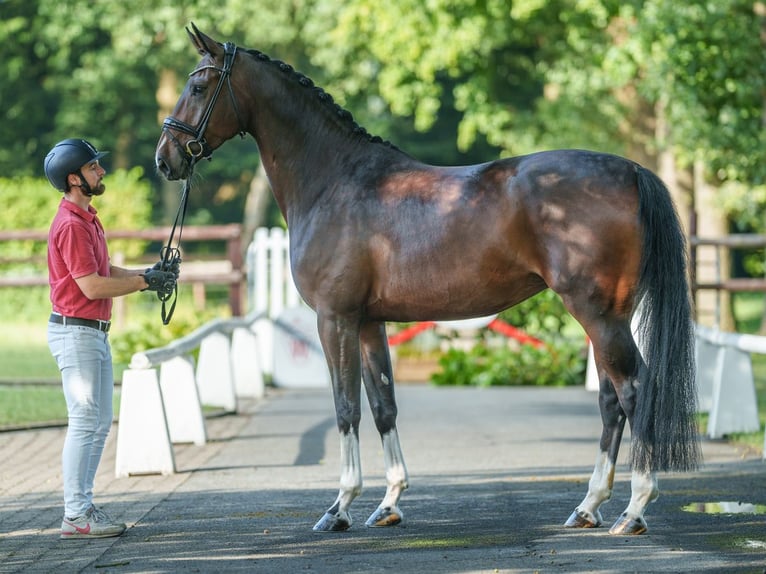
<point x="694" y="198"/>
<point x="167" y="96"/>
<point x="256" y="205"/>
<point x="713" y="263"/>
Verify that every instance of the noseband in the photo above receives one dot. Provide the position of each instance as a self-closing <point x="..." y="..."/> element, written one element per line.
<point x="197" y="147"/>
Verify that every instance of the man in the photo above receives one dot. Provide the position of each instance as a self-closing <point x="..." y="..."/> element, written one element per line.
<point x="83" y="283"/>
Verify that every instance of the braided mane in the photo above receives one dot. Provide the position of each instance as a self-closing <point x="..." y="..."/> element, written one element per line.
<point x="325" y="98"/>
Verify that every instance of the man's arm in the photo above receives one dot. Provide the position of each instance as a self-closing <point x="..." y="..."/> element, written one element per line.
<point x="115" y="271"/>
<point x="123" y="282"/>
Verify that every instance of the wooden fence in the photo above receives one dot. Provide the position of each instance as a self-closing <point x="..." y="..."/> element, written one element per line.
<point x="719" y="280"/>
<point x="232" y="273"/>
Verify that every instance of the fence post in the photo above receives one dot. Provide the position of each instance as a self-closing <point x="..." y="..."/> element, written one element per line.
<point x="706" y="359"/>
<point x="734" y="407"/>
<point x="248" y="378"/>
<point x="143" y="440"/>
<point x="298" y="357"/>
<point x="181" y="398"/>
<point x="215" y="381"/>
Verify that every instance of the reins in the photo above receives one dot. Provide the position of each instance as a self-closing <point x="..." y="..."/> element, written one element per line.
<point x="170" y="255"/>
<point x="195" y="148"/>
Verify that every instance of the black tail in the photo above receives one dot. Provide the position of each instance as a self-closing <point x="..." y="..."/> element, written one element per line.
<point x="664" y="429"/>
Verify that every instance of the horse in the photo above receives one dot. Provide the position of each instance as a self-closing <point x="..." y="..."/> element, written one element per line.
<point x="377" y="236"/>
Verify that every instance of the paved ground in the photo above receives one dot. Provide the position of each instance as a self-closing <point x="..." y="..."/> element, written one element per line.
<point x="494" y="473"/>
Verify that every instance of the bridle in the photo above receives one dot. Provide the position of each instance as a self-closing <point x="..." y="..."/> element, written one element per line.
<point x="197" y="148"/>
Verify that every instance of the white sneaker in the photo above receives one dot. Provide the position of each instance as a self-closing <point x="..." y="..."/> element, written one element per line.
<point x="95" y="523"/>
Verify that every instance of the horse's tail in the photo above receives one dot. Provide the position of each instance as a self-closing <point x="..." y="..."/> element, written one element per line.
<point x="664" y="429"/>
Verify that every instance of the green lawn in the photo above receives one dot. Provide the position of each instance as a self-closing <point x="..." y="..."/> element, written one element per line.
<point x="24" y="353"/>
<point x="30" y="390"/>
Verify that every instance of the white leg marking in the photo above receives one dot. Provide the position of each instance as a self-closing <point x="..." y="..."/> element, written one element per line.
<point x="350" y="473"/>
<point x="599" y="489"/>
<point x="388" y="512"/>
<point x="643" y="490"/>
<point x="396" y="471"/>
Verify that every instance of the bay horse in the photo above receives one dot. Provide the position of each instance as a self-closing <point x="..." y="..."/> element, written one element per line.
<point x="377" y="236"/>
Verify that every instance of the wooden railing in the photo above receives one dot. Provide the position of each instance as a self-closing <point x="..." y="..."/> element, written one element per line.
<point x="730" y="242"/>
<point x="232" y="274"/>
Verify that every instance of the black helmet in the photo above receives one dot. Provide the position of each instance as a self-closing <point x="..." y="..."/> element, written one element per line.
<point x="67" y="157"/>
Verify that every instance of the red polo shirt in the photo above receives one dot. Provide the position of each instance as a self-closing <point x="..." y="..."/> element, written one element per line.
<point x="76" y="248"/>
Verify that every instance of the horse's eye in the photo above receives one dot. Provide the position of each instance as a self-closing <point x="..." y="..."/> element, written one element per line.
<point x="197" y="89"/>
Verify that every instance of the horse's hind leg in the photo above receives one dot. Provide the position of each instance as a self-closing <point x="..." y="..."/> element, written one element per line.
<point x="587" y="513"/>
<point x="379" y="383"/>
<point x="618" y="362"/>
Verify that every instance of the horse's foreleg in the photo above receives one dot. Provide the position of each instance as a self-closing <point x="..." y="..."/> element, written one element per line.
<point x="337" y="518"/>
<point x="379" y="383"/>
<point x="340" y="340"/>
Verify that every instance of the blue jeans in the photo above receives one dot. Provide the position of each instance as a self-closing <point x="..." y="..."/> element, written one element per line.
<point x="84" y="358"/>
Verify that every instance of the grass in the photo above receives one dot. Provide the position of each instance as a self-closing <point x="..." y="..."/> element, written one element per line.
<point x="30" y="385"/>
<point x="27" y="405"/>
<point x="24" y="354"/>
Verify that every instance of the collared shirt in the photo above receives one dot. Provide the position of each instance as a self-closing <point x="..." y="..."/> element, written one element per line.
<point x="76" y="248"/>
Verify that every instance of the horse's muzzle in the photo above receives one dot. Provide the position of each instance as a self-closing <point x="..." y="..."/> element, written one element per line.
<point x="164" y="168"/>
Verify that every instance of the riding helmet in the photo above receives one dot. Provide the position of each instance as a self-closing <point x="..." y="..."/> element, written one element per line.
<point x="66" y="157"/>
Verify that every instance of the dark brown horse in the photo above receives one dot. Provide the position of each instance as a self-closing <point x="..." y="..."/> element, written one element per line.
<point x="378" y="236"/>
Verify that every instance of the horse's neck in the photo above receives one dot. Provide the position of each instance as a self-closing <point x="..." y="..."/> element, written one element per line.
<point x="304" y="147"/>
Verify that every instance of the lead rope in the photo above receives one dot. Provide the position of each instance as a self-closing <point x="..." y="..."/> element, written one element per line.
<point x="170" y="255"/>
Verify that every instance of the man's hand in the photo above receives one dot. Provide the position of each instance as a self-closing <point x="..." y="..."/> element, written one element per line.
<point x="173" y="265"/>
<point x="163" y="282"/>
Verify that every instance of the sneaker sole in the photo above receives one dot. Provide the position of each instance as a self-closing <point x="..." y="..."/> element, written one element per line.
<point x="77" y="535"/>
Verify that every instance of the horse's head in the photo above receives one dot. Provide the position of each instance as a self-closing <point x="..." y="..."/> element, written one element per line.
<point x="202" y="120"/>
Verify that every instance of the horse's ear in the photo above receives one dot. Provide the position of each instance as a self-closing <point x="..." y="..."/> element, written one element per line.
<point x="203" y="43"/>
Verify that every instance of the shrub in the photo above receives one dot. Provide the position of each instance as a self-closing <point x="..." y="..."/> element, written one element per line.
<point x="150" y="333"/>
<point x="554" y="365"/>
<point x="560" y="362"/>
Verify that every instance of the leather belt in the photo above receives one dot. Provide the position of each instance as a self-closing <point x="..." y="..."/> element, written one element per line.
<point x="92" y="323"/>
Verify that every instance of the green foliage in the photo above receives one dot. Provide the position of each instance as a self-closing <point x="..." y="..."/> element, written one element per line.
<point x="745" y="206"/>
<point x="31" y="203"/>
<point x="25" y="303"/>
<point x="126" y="205"/>
<point x="707" y="67"/>
<point x="543" y="316"/>
<point x="560" y="362"/>
<point x="452" y="81"/>
<point x="150" y="333"/>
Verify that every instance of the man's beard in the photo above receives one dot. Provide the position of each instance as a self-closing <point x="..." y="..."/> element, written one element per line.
<point x="91" y="191"/>
<point x="98" y="190"/>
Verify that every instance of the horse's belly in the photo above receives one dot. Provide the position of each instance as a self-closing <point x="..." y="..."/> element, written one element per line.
<point x="423" y="294"/>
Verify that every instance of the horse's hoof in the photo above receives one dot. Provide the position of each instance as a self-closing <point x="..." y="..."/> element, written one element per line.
<point x="628" y="526"/>
<point x="332" y="523"/>
<point x="385" y="516"/>
<point x="580" y="519"/>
